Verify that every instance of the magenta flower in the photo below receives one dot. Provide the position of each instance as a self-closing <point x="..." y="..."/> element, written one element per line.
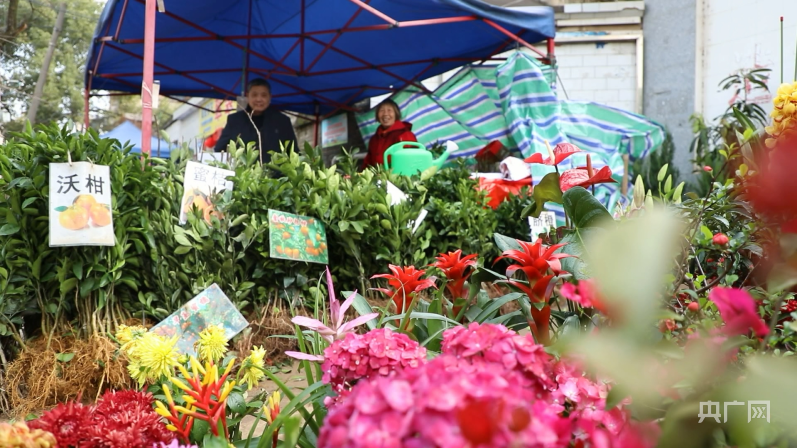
<point x="337" y="328"/>
<point x="585" y="294"/>
<point x="379" y="352"/>
<point x="555" y="156"/>
<point x="738" y="310"/>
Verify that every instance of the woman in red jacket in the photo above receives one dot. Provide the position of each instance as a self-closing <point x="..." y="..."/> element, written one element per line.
<point x="391" y="131"/>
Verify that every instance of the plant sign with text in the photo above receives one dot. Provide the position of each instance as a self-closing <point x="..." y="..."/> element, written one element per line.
<point x="200" y="183"/>
<point x="295" y="237"/>
<point x="80" y="205"/>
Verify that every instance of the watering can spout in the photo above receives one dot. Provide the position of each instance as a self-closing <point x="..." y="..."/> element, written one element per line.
<point x="451" y="147"/>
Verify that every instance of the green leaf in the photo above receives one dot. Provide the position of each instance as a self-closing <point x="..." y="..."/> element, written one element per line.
<point x="28" y="202"/>
<point x="9" y="229"/>
<point x="706" y="232"/>
<point x="68" y="285"/>
<point x="614" y="398"/>
<point x="292" y="430"/>
<point x="496" y="305"/>
<point x="236" y="402"/>
<point x="60" y="209"/>
<point x="419" y="315"/>
<point x="64" y="357"/>
<point x="211" y="441"/>
<point x="584" y="210"/>
<point x="77" y="269"/>
<point x="547" y="190"/>
<point x="505" y="243"/>
<point x="182" y="240"/>
<point x="182" y="250"/>
<point x="575" y="246"/>
<point x="200" y="429"/>
<point x="434" y="326"/>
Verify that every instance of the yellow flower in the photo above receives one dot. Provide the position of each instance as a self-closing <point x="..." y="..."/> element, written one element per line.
<point x="272" y="407"/>
<point x="138" y="373"/>
<point x="128" y="337"/>
<point x="252" y="365"/>
<point x="212" y="344"/>
<point x="157" y="355"/>
<point x="783" y="115"/>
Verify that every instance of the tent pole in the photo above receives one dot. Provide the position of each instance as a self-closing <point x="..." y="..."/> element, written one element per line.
<point x="146" y="88"/>
<point x="86" y="109"/>
<point x="316" y="125"/>
<point x="248" y="42"/>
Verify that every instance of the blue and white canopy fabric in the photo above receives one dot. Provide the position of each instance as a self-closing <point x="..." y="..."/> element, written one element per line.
<point x="515" y="103"/>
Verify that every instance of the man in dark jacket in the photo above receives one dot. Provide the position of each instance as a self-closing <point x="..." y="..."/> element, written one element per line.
<point x="275" y="128"/>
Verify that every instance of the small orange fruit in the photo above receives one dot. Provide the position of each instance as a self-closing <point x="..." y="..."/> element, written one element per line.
<point x="85" y="200"/>
<point x="279" y="249"/>
<point x="304" y="230"/>
<point x="74" y="218"/>
<point x="308" y="242"/>
<point x="100" y="215"/>
<point x="323" y="246"/>
<point x="285" y="235"/>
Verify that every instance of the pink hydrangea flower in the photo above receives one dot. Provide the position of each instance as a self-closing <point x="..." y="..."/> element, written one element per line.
<point x="432" y="406"/>
<point x="379" y="352"/>
<point x="497" y="344"/>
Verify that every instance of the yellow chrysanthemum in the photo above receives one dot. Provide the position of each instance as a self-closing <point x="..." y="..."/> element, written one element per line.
<point x="138" y="373"/>
<point x="212" y="344"/>
<point x="157" y="355"/>
<point x="251" y="367"/>
<point x="128" y="337"/>
<point x="784" y="115"/>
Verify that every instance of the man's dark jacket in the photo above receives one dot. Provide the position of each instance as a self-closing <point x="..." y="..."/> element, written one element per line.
<point x="275" y="128"/>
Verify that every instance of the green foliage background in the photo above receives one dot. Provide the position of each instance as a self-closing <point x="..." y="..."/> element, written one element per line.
<point x="157" y="265"/>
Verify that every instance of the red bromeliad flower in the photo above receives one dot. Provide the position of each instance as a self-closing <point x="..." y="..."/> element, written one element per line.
<point x="555" y="156"/>
<point x="738" y="310"/>
<point x="455" y="267"/>
<point x="581" y="177"/>
<point x="535" y="260"/>
<point x="405" y="282"/>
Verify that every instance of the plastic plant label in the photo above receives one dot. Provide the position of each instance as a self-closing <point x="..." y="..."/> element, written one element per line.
<point x="200" y="183"/>
<point x="295" y="237"/>
<point x="210" y="307"/>
<point x="543" y="224"/>
<point x="81" y="213"/>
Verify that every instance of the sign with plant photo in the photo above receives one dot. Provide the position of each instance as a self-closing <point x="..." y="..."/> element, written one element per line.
<point x="80" y="205"/>
<point x="199" y="184"/>
<point x="295" y="237"/>
<point x="210" y="307"/>
<point x="543" y="224"/>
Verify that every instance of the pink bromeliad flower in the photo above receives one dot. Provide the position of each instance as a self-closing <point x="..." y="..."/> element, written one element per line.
<point x="337" y="328"/>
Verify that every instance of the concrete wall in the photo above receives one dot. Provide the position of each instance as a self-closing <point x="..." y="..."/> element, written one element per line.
<point x="601" y="72"/>
<point x="669" y="90"/>
<point x="742" y="34"/>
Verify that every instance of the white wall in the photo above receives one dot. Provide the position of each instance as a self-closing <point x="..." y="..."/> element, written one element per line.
<point x="601" y="72"/>
<point x="186" y="129"/>
<point x="744" y="34"/>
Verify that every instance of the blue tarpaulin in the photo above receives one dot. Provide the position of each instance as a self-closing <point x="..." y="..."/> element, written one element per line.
<point x="329" y="53"/>
<point x="127" y="132"/>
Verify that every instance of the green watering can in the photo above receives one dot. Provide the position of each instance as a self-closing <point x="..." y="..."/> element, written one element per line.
<point x="410" y="158"/>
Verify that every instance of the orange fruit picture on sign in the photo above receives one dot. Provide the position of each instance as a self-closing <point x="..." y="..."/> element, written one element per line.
<point x="100" y="215"/>
<point x="74" y="218"/>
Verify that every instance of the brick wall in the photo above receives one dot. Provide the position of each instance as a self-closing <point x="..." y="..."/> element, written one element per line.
<point x="600" y="72"/>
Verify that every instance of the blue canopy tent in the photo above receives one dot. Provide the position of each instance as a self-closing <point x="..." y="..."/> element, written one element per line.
<point x="128" y="132"/>
<point x="320" y="56"/>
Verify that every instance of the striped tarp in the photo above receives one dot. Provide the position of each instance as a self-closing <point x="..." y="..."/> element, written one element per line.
<point x="516" y="103"/>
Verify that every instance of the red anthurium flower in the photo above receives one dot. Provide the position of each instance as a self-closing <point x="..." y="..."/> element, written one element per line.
<point x="560" y="153"/>
<point x="405" y="282"/>
<point x="580" y="177"/>
<point x="738" y="310"/>
<point x="456" y="268"/>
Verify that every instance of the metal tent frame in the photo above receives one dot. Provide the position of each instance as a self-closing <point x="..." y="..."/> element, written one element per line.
<point x="108" y="38"/>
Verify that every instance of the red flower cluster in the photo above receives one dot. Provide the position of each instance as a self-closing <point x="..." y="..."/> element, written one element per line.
<point x="770" y="189"/>
<point x="119" y="420"/>
<point x="457" y="270"/>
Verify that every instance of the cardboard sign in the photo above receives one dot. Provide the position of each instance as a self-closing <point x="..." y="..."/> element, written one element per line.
<point x="543" y="224"/>
<point x="80" y="205"/>
<point x="200" y="182"/>
<point x="210" y="307"/>
<point x="294" y="237"/>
